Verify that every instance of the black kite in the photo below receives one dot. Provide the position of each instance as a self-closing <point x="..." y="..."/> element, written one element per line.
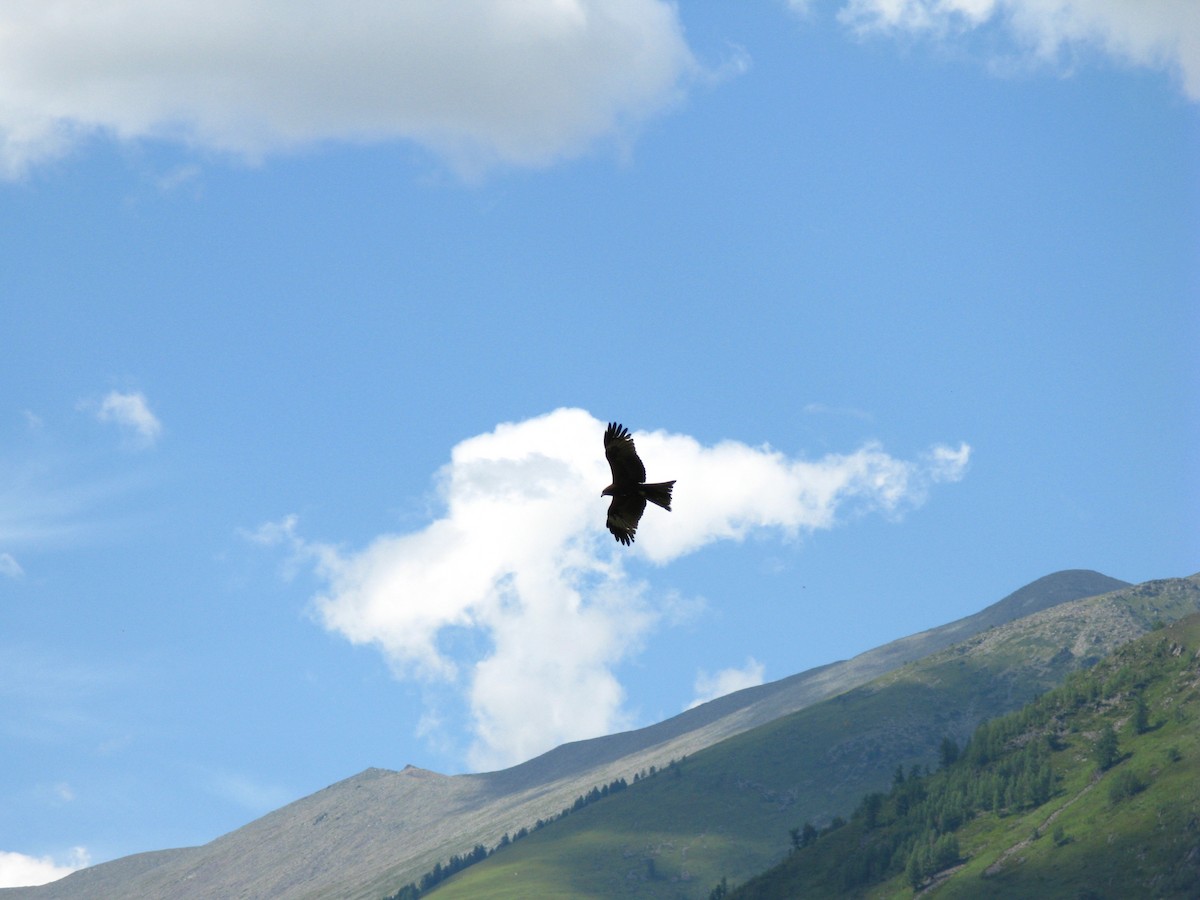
<point x="629" y="490"/>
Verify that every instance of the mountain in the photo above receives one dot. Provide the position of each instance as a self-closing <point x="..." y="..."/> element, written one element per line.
<point x="1090" y="791"/>
<point x="726" y="811"/>
<point x="368" y="835"/>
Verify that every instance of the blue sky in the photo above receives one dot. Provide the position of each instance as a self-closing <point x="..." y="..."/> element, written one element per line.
<point x="312" y="320"/>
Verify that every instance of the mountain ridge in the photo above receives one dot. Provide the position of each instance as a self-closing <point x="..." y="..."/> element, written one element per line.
<point x="398" y="824"/>
<point x="1032" y="805"/>
<point x="726" y="811"/>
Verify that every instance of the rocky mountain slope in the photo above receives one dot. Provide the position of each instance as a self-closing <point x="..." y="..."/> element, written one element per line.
<point x="726" y="811"/>
<point x="364" y="836"/>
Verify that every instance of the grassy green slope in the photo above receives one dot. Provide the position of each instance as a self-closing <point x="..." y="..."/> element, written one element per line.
<point x="727" y="811"/>
<point x="1102" y="842"/>
<point x="1129" y="830"/>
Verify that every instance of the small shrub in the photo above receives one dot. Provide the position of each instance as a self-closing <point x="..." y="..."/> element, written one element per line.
<point x="1124" y="784"/>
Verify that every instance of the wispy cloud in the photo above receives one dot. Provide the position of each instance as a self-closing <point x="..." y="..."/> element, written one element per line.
<point x="1158" y="34"/>
<point x="9" y="567"/>
<point x="49" y="503"/>
<point x="50" y="698"/>
<point x="518" y="591"/>
<point x="36" y="511"/>
<point x="479" y="82"/>
<point x="20" y="870"/>
<point x="710" y="687"/>
<point x="252" y="795"/>
<point x="852" y="412"/>
<point x="132" y="413"/>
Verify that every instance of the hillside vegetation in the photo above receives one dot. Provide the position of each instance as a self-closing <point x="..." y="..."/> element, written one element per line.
<point x="671" y="809"/>
<point x="1091" y="791"/>
<point x="727" y="812"/>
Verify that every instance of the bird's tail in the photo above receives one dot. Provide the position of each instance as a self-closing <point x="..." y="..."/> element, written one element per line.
<point x="659" y="493"/>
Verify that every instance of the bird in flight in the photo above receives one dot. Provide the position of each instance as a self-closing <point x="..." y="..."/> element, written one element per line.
<point x="629" y="490"/>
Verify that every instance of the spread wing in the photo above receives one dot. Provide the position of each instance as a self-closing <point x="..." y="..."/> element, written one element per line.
<point x="624" y="513"/>
<point x="626" y="465"/>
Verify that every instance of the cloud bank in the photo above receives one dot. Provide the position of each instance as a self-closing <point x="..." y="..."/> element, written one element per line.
<point x="710" y="687"/>
<point x="517" y="590"/>
<point x="479" y="82"/>
<point x="19" y="870"/>
<point x="1158" y="34"/>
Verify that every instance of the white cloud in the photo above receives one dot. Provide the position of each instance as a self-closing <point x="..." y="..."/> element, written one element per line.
<point x="517" y="591"/>
<point x="271" y="534"/>
<point x="733" y="489"/>
<point x="522" y="82"/>
<point x="1161" y="34"/>
<point x="710" y="687"/>
<point x="19" y="870"/>
<point x="9" y="567"/>
<point x="131" y="412"/>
